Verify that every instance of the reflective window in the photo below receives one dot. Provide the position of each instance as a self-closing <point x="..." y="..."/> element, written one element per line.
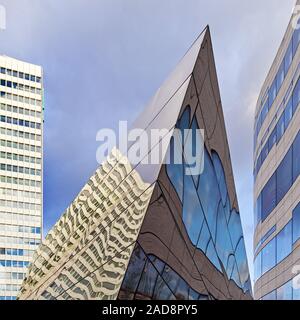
<point x="284" y="242"/>
<point x="280" y="75"/>
<point x="284" y="176"/>
<point x="288" y="113"/>
<point x="270" y="296"/>
<point x="296" y="95"/>
<point x="264" y="111"/>
<point x="296" y="39"/>
<point x="285" y="292"/>
<point x="192" y="211"/>
<point x="296" y="157"/>
<point x="296" y="223"/>
<point x="288" y="57"/>
<point x="280" y="128"/>
<point x="272" y="139"/>
<point x="269" y="256"/>
<point x="269" y="197"/>
<point x="257" y="267"/>
<point x="272" y="93"/>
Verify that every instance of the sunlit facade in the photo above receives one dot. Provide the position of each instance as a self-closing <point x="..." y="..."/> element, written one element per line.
<point x="276" y="175"/>
<point x="152" y="231"/>
<point x="21" y="127"/>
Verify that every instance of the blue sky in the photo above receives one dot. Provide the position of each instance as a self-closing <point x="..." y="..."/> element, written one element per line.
<point x="104" y="59"/>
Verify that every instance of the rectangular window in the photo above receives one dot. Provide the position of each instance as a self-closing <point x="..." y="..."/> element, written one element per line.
<point x="288" y="57"/>
<point x="288" y="113"/>
<point x="272" y="93"/>
<point x="272" y="139"/>
<point x="280" y="128"/>
<point x="284" y="242"/>
<point x="285" y="292"/>
<point x="296" y="223"/>
<point x="269" y="256"/>
<point x="296" y="39"/>
<point x="264" y="111"/>
<point x="296" y="157"/>
<point x="296" y="96"/>
<point x="269" y="197"/>
<point x="284" y="176"/>
<point x="264" y="152"/>
<point x="280" y="75"/>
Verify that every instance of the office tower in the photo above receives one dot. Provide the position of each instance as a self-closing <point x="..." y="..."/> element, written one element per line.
<point x="155" y="230"/>
<point x="21" y="125"/>
<point x="276" y="174"/>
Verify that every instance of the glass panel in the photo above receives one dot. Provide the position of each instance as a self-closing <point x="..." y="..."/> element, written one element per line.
<point x="241" y="261"/>
<point x="288" y="113"/>
<point x="296" y="39"/>
<point x="296" y="95"/>
<point x="296" y="157"/>
<point x="285" y="292"/>
<point x="147" y="282"/>
<point x="133" y="273"/>
<point x="284" y="176"/>
<point x="223" y="241"/>
<point x="280" y="75"/>
<point x="203" y="238"/>
<point x="272" y="93"/>
<point x="288" y="57"/>
<point x="209" y="193"/>
<point x="264" y="111"/>
<point x="235" y="228"/>
<point x="212" y="255"/>
<point x="296" y="223"/>
<point x="270" y="296"/>
<point x="284" y="242"/>
<point x="162" y="291"/>
<point x="269" y="197"/>
<point x="280" y="128"/>
<point x="257" y="267"/>
<point x="269" y="256"/>
<point x="272" y="139"/>
<point x="192" y="211"/>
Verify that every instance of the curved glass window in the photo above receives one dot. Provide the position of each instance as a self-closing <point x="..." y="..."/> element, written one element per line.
<point x="209" y="193"/>
<point x="192" y="212"/>
<point x="285" y="292"/>
<point x="269" y="197"/>
<point x="220" y="176"/>
<point x="296" y="223"/>
<point x="284" y="176"/>
<point x="269" y="256"/>
<point x="235" y="228"/>
<point x="284" y="242"/>
<point x="241" y="260"/>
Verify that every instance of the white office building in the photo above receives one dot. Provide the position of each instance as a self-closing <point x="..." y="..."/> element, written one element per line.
<point x="21" y="163"/>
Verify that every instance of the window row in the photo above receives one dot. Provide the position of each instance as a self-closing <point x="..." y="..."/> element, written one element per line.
<point x="20" y="193"/>
<point x="20" y="122"/>
<point x="17" y="98"/>
<point x="21" y="134"/>
<point x="19" y="240"/>
<point x="280" y="127"/>
<point x="21" y="75"/>
<point x="279" y="247"/>
<point x="14" y="264"/>
<point x="16" y="252"/>
<point x="19" y="86"/>
<point x="20" y="218"/>
<point x="277" y="82"/>
<point x="20" y="181"/>
<point x="9" y="287"/>
<point x="12" y="275"/>
<point x="280" y="182"/>
<point x="19" y="169"/>
<point x="19" y="110"/>
<point x="20" y="157"/>
<point x="21" y="146"/>
<point x="2" y="298"/>
<point x="20" y="205"/>
<point x="23" y="229"/>
<point x="285" y="292"/>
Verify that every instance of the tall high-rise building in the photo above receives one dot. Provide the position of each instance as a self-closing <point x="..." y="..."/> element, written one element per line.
<point x="21" y="162"/>
<point x="155" y="230"/>
<point x="276" y="174"/>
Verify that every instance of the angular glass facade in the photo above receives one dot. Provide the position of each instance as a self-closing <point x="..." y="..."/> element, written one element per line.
<point x="155" y="231"/>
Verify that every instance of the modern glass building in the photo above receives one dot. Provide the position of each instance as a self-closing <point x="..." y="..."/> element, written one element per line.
<point x="276" y="174"/>
<point x="21" y="127"/>
<point x="154" y="231"/>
